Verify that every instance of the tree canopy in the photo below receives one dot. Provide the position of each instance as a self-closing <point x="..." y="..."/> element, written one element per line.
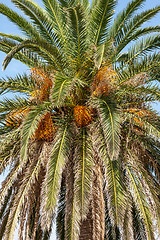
<point x="82" y="143"/>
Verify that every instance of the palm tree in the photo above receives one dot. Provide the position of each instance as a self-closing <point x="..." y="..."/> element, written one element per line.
<point x="82" y="141"/>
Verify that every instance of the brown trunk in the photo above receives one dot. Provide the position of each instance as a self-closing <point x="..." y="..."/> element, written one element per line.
<point x="93" y="227"/>
<point x="86" y="231"/>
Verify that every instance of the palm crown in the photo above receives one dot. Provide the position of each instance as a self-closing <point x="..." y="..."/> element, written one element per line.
<point x="83" y="142"/>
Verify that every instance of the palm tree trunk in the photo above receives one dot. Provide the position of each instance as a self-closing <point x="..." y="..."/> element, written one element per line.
<point x="93" y="228"/>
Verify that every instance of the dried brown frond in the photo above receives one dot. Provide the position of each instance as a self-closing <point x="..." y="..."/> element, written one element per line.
<point x="137" y="80"/>
<point x="139" y="114"/>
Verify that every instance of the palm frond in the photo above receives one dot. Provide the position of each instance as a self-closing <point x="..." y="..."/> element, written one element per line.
<point x="21" y="22"/>
<point x="20" y="198"/>
<point x="128" y="233"/>
<point x="138" y="226"/>
<point x="5" y="204"/>
<point x="73" y="223"/>
<point x="45" y="50"/>
<point x="77" y="31"/>
<point x="60" y="220"/>
<point x="7" y="105"/>
<point x="83" y="173"/>
<point x="100" y="19"/>
<point x="108" y="224"/>
<point x="131" y="26"/>
<point x="110" y="122"/>
<point x="30" y="125"/>
<point x="63" y="87"/>
<point x="115" y="191"/>
<point x="152" y="128"/>
<point x="72" y="216"/>
<point x="20" y="83"/>
<point x="96" y="214"/>
<point x="123" y="17"/>
<point x="55" y="12"/>
<point x="144" y="64"/>
<point x="55" y="166"/>
<point x="141" y="202"/>
<point x="12" y="36"/>
<point x="40" y="19"/>
<point x="141" y="48"/>
<point x="27" y="57"/>
<point x="10" y="148"/>
<point x="144" y="31"/>
<point x="8" y="182"/>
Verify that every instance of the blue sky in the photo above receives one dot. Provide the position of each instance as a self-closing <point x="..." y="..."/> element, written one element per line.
<point x="16" y="67"/>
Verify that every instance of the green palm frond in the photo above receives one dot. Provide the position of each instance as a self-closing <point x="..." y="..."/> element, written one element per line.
<point x="72" y="216"/>
<point x="21" y="22"/>
<point x="55" y="12"/>
<point x="141" y="48"/>
<point x="100" y="19"/>
<point x="144" y="31"/>
<point x="45" y="50"/>
<point x="20" y="83"/>
<point x="63" y="87"/>
<point x="109" y="117"/>
<point x="152" y="128"/>
<point x="123" y="17"/>
<point x="27" y="57"/>
<point x="30" y="125"/>
<point x="131" y="26"/>
<point x="144" y="64"/>
<point x="39" y="18"/>
<point x="115" y="191"/>
<point x="83" y="173"/>
<point x="7" y="105"/>
<point x="13" y="37"/>
<point x="55" y="167"/>
<point x="77" y="31"/>
<point x="73" y="223"/>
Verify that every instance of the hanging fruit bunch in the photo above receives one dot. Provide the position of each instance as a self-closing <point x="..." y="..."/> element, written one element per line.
<point x="82" y="116"/>
<point x="104" y="81"/>
<point x="46" y="129"/>
<point x="43" y="84"/>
